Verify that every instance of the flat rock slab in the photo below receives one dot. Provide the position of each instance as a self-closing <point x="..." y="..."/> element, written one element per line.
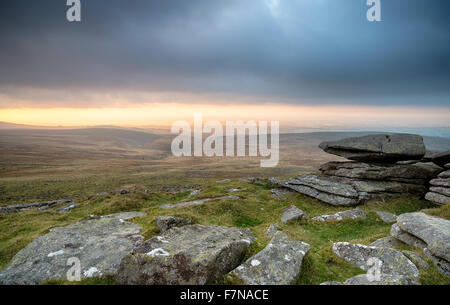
<point x="434" y="231"/>
<point x="339" y="191"/>
<point x="165" y="223"/>
<point x="392" y="262"/>
<point x="439" y="192"/>
<point x="196" y="202"/>
<point x="437" y="198"/>
<point x="387" y="217"/>
<point x="278" y="264"/>
<point x="387" y="242"/>
<point x="407" y="238"/>
<point x="190" y="255"/>
<point x="325" y="189"/>
<point x="441" y="182"/>
<point x="349" y="214"/>
<point x="381" y="190"/>
<point x="382" y="148"/>
<point x="445" y="191"/>
<point x="41" y="206"/>
<point x="292" y="213"/>
<point x="444" y="175"/>
<point x="99" y="244"/>
<point x="418" y="173"/>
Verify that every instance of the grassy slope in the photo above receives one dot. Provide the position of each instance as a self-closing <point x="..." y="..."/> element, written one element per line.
<point x="257" y="211"/>
<point x="41" y="165"/>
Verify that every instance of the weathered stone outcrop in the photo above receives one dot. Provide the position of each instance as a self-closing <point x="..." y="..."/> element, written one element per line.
<point x="383" y="148"/>
<point x="387" y="167"/>
<point x="388" y="263"/>
<point x="99" y="244"/>
<point x="278" y="264"/>
<point x="349" y="214"/>
<point x="439" y="192"/>
<point x="43" y="205"/>
<point x="432" y="234"/>
<point x="407" y="238"/>
<point x="434" y="231"/>
<point x="192" y="254"/>
<point x="328" y="190"/>
<point x="340" y="191"/>
<point x="418" y="173"/>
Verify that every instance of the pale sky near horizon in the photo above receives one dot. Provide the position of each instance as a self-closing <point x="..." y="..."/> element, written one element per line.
<point x="317" y="64"/>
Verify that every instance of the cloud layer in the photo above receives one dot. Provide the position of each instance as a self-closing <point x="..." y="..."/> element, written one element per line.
<point x="296" y="51"/>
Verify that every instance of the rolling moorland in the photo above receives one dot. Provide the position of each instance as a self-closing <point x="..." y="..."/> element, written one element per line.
<point x="92" y="165"/>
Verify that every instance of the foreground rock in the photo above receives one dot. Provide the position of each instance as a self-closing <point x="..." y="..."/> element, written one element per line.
<point x="407" y="238"/>
<point x="278" y="264"/>
<point x="99" y="244"/>
<point x="434" y="231"/>
<point x="44" y="205"/>
<point x="382" y="148"/>
<point x="393" y="266"/>
<point x="431" y="234"/>
<point x="349" y="214"/>
<point x="292" y="213"/>
<point x="190" y="255"/>
<point x="439" y="192"/>
<point x="165" y="223"/>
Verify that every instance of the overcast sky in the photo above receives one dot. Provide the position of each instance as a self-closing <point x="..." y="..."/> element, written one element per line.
<point x="306" y="52"/>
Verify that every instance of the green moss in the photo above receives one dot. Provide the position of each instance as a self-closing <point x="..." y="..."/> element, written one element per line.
<point x="257" y="212"/>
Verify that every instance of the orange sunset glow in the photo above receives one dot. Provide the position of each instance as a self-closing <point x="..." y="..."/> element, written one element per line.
<point x="165" y="114"/>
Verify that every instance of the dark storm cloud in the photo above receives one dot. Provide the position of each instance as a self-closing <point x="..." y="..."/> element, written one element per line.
<point x="285" y="50"/>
